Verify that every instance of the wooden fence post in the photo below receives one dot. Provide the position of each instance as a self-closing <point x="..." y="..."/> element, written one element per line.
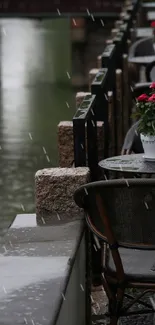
<point x="112" y="142"/>
<point x="119" y="110"/>
<point x="99" y="61"/>
<point x="126" y="95"/>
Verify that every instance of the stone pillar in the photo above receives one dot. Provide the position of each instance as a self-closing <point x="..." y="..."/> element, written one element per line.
<point x="114" y="32"/>
<point x="54" y="189"/>
<point x="92" y="74"/>
<point x="79" y="97"/>
<point x="65" y="144"/>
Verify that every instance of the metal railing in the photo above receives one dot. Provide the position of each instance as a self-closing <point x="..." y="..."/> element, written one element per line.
<point x="98" y="107"/>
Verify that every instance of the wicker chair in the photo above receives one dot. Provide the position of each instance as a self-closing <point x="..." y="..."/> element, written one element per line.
<point x="142" y="47"/>
<point x="150" y="72"/>
<point x="127" y="226"/>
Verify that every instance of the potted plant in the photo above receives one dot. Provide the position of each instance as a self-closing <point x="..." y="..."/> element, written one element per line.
<point x="145" y="112"/>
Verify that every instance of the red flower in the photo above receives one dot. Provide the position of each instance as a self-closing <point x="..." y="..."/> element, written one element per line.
<point x="152" y="98"/>
<point x="153" y="24"/>
<point x="142" y="98"/>
<point x="152" y="85"/>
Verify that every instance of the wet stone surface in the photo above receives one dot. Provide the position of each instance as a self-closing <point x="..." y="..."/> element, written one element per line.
<point x="35" y="262"/>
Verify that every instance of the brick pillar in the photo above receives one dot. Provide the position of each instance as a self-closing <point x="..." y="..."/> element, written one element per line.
<point x="54" y="189"/>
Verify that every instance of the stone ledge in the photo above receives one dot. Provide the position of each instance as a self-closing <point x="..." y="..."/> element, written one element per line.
<point x="41" y="268"/>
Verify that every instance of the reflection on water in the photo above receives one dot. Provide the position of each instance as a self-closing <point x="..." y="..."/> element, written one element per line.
<point x="34" y="90"/>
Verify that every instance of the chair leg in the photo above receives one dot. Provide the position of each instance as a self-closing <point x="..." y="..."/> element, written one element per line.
<point x="112" y="302"/>
<point x="113" y="320"/>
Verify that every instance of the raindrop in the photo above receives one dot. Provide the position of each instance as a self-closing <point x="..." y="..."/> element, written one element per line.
<point x="30" y="135"/>
<point x="5" y="249"/>
<point x="146" y="205"/>
<point x="97" y="242"/>
<point x="68" y="75"/>
<point x="120" y="166"/>
<point x="105" y="96"/>
<point x="4" y="290"/>
<point x="58" y="216"/>
<point x="43" y="220"/>
<point x="10" y="244"/>
<point x="92" y="300"/>
<point x="47" y="157"/>
<point x="95" y="247"/>
<point x="74" y="21"/>
<point x="22" y="207"/>
<point x="88" y="12"/>
<point x="4" y="31"/>
<point x="67" y="104"/>
<point x="127" y="183"/>
<point x="82" y="288"/>
<point x="58" y="12"/>
<point x="92" y="112"/>
<point x="44" y="150"/>
<point x="136" y="132"/>
<point x="86" y="191"/>
<point x="63" y="297"/>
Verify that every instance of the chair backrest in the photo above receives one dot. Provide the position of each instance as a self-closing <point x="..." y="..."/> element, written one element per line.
<point x="150" y="72"/>
<point x="120" y="211"/>
<point x="142" y="47"/>
<point x="132" y="141"/>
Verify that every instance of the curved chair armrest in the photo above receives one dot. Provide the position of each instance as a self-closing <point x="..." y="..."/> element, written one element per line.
<point x="135" y="45"/>
<point x="140" y="88"/>
<point x="148" y="70"/>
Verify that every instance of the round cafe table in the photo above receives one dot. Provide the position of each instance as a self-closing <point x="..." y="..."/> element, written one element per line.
<point x="135" y="164"/>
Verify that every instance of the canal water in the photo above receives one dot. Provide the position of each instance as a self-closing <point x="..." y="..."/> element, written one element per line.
<point x="35" y="95"/>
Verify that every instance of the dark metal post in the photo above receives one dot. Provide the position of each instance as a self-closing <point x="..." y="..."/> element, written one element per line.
<point x="92" y="146"/>
<point x="99" y="88"/>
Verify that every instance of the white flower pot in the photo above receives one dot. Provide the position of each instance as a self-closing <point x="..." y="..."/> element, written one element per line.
<point x="148" y="142"/>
